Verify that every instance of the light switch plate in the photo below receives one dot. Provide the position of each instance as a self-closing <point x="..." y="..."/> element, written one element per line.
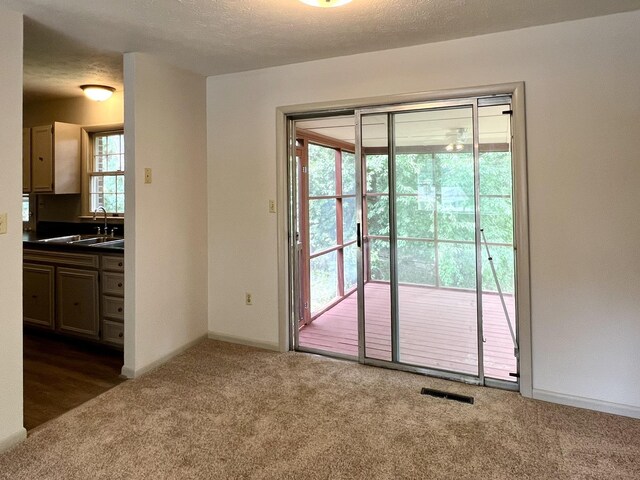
<point x="3" y="223"/>
<point x="147" y="175"/>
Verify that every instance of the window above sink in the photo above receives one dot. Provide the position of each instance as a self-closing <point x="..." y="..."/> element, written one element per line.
<point x="104" y="166"/>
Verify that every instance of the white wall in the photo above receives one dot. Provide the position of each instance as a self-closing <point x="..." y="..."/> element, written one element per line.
<point x="11" y="429"/>
<point x="583" y="97"/>
<point x="166" y="221"/>
<point x="79" y="110"/>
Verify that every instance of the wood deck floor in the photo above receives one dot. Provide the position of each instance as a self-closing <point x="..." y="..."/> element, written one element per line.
<point x="437" y="329"/>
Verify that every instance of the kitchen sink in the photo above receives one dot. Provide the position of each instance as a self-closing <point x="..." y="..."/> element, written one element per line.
<point x="93" y="240"/>
<point x="65" y="239"/>
<point x="113" y="243"/>
<point x="90" y="239"/>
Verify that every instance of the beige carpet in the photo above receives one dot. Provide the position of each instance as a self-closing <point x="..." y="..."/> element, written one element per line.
<point x="222" y="411"/>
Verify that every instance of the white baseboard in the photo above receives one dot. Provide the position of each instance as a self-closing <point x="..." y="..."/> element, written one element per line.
<point x="13" y="439"/>
<point x="129" y="372"/>
<point x="588" y="403"/>
<point x="244" y="341"/>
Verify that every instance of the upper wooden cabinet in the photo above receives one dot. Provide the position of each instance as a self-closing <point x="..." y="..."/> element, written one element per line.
<point x="55" y="158"/>
<point x="26" y="160"/>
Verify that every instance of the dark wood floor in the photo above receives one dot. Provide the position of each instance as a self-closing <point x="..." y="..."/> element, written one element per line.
<point x="60" y="374"/>
<point x="438" y="329"/>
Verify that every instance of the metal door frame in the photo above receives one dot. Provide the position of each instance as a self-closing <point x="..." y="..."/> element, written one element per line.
<point x="402" y="103"/>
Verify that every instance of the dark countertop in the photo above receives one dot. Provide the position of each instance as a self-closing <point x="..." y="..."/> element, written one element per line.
<point x="31" y="241"/>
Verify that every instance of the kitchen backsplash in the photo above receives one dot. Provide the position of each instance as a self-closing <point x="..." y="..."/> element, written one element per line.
<point x="56" y="229"/>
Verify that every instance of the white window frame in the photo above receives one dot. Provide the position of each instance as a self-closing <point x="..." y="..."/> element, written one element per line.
<point x="88" y="135"/>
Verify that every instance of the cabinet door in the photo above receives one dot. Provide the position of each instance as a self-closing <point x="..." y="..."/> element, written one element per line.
<point x="26" y="160"/>
<point x="42" y="159"/>
<point x="77" y="302"/>
<point x="37" y="296"/>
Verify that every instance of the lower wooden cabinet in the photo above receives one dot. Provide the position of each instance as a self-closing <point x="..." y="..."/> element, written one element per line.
<point x="112" y="275"/>
<point x="38" y="296"/>
<point x="77" y="294"/>
<point x="77" y="298"/>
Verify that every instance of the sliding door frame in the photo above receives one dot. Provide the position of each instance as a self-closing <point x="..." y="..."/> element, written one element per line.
<point x="285" y="117"/>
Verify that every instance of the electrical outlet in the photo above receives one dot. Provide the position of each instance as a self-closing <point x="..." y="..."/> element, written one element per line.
<point x="248" y="298"/>
<point x="3" y="223"/>
<point x="147" y="175"/>
<point x="272" y="206"/>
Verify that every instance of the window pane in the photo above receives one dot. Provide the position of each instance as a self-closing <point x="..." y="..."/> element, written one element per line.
<point x="109" y="184"/>
<point x="456" y="226"/>
<point x="350" y="266"/>
<point x="495" y="173"/>
<point x="324" y="280"/>
<point x="100" y="163"/>
<point x="25" y="208"/>
<point x="379" y="259"/>
<point x="503" y="263"/>
<point x="456" y="202"/>
<point x="113" y="144"/>
<point x="497" y="219"/>
<point x="113" y="163"/>
<point x="100" y="145"/>
<point x="108" y="152"/>
<point x="413" y="171"/>
<point x="378" y="215"/>
<point x="377" y="178"/>
<point x="416" y="262"/>
<point x="412" y="221"/>
<point x="322" y="224"/>
<point x="348" y="219"/>
<point x="107" y="192"/>
<point x="322" y="171"/>
<point x="348" y="173"/>
<point x="457" y="265"/>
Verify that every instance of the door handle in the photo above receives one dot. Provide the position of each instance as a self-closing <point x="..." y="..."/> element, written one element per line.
<point x="358" y="235"/>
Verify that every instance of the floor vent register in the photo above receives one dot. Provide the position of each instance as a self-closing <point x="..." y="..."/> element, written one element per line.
<point x="447" y="395"/>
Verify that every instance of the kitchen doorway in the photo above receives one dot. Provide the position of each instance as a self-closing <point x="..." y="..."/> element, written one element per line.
<point x="405" y="237"/>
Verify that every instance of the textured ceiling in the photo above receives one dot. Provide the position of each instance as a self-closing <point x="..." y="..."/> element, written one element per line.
<point x="55" y="66"/>
<point x="222" y="36"/>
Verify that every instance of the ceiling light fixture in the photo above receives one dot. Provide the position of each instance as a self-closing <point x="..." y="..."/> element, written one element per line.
<point x="325" y="3"/>
<point x="457" y="139"/>
<point x="99" y="93"/>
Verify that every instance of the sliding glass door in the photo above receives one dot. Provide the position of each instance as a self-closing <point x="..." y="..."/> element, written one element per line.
<point x="417" y="206"/>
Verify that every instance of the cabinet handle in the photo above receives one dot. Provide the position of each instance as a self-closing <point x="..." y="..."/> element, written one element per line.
<point x="41" y="159"/>
<point x="119" y="264"/>
<point x="75" y="304"/>
<point x="120" y="335"/>
<point x="119" y="309"/>
<point x="120" y="284"/>
<point x="34" y="296"/>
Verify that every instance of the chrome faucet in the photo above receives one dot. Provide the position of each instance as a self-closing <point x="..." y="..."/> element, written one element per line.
<point x="95" y="214"/>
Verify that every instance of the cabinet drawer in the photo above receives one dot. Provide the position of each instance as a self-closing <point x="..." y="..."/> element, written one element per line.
<point x="113" y="308"/>
<point x="62" y="258"/>
<point x="113" y="284"/>
<point x="115" y="264"/>
<point x="113" y="332"/>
